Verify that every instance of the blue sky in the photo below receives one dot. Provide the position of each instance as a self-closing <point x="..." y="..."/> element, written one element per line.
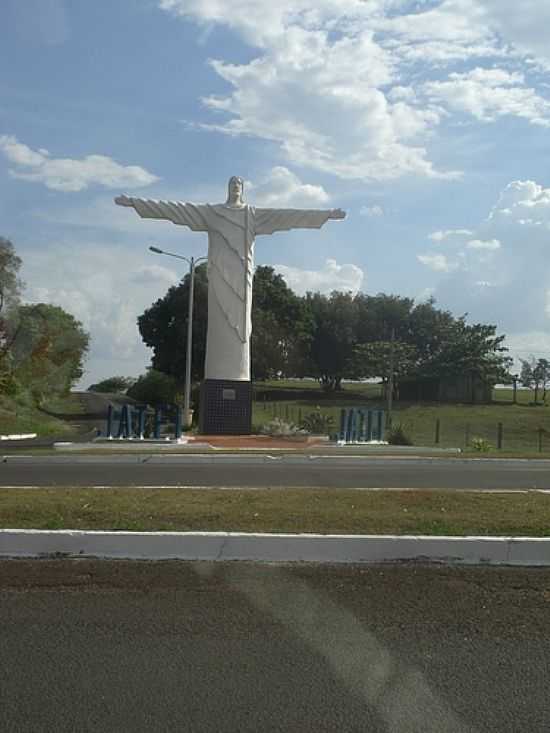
<point x="428" y="121"/>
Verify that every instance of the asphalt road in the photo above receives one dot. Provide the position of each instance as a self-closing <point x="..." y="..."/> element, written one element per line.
<point x="103" y="646"/>
<point x="423" y="473"/>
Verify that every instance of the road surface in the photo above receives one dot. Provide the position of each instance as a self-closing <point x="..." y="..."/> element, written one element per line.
<point x="104" y="646"/>
<point x="421" y="473"/>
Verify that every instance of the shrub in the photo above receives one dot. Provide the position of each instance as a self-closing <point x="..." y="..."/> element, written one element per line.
<point x="154" y="388"/>
<point x="113" y="385"/>
<point x="480" y="445"/>
<point x="280" y="429"/>
<point x="317" y="423"/>
<point x="397" y="436"/>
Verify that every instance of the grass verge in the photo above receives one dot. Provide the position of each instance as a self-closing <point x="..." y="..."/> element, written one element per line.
<point x="278" y="510"/>
<point x="16" y="417"/>
<point x="458" y="424"/>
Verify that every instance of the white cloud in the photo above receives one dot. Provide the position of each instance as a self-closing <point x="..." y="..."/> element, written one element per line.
<point x="336" y="85"/>
<point x="66" y="174"/>
<point x="441" y="236"/>
<point x="455" y="22"/>
<point x="372" y="211"/>
<point x="316" y="89"/>
<point x="105" y="287"/>
<point x="524" y="24"/>
<point x="281" y="187"/>
<point x="331" y="277"/>
<point x="319" y="101"/>
<point x="490" y="93"/>
<point x="489" y="245"/>
<point x="528" y="343"/>
<point x="260" y="23"/>
<point x="500" y="274"/>
<point x="523" y="202"/>
<point x="436" y="262"/>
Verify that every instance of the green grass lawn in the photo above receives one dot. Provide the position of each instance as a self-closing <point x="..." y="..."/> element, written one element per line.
<point x="365" y="389"/>
<point x="20" y="418"/>
<point x="70" y="404"/>
<point x="276" y="510"/>
<point x="520" y="421"/>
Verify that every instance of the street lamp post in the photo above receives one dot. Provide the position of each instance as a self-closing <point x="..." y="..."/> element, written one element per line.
<point x="192" y="264"/>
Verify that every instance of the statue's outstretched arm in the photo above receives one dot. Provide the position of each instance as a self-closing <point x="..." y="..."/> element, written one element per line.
<point x="124" y="200"/>
<point x="277" y="220"/>
<point x="190" y="215"/>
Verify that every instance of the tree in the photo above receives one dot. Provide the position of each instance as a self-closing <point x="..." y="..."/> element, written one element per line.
<point x="466" y="349"/>
<point x="543" y="369"/>
<point x="430" y="331"/>
<point x="535" y="374"/>
<point x="10" y="288"/>
<point x="328" y="336"/>
<point x="163" y="327"/>
<point x="281" y="327"/>
<point x="113" y="385"/>
<point x="48" y="350"/>
<point x="379" y="315"/>
<point x="373" y="360"/>
<point x="334" y="337"/>
<point x="155" y="388"/>
<point x="10" y="284"/>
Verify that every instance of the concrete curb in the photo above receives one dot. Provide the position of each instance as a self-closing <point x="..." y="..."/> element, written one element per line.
<point x="235" y="458"/>
<point x="337" y="450"/>
<point x="519" y="551"/>
<point x="19" y="436"/>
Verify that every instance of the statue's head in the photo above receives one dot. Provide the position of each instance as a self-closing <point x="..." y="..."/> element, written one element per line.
<point x="235" y="191"/>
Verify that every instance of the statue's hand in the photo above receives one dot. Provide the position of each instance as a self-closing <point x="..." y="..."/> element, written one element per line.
<point x="123" y="201"/>
<point x="337" y="214"/>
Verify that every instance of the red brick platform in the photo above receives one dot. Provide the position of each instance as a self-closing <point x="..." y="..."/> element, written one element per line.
<point x="260" y="442"/>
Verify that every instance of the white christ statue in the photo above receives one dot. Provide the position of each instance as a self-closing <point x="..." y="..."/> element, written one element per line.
<point x="232" y="229"/>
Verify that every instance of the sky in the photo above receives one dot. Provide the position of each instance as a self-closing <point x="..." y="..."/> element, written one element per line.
<point x="428" y="121"/>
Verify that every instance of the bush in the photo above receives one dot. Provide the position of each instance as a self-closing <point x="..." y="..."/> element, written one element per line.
<point x="114" y="385"/>
<point x="397" y="436"/>
<point x="480" y="445"/>
<point x="155" y="388"/>
<point x="280" y="429"/>
<point x="317" y="423"/>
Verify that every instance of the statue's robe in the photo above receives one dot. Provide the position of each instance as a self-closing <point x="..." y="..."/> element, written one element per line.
<point x="231" y="235"/>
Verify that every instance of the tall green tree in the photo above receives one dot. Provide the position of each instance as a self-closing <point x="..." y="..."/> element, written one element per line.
<point x="374" y="359"/>
<point x="163" y="327"/>
<point x="48" y="350"/>
<point x="10" y="289"/>
<point x="281" y="327"/>
<point x="467" y="349"/>
<point x="379" y="315"/>
<point x="335" y="319"/>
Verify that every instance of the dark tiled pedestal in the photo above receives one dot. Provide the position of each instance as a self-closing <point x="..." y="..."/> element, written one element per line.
<point x="225" y="407"/>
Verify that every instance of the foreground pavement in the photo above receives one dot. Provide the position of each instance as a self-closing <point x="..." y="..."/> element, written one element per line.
<point x="116" y="646"/>
<point x="274" y="471"/>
